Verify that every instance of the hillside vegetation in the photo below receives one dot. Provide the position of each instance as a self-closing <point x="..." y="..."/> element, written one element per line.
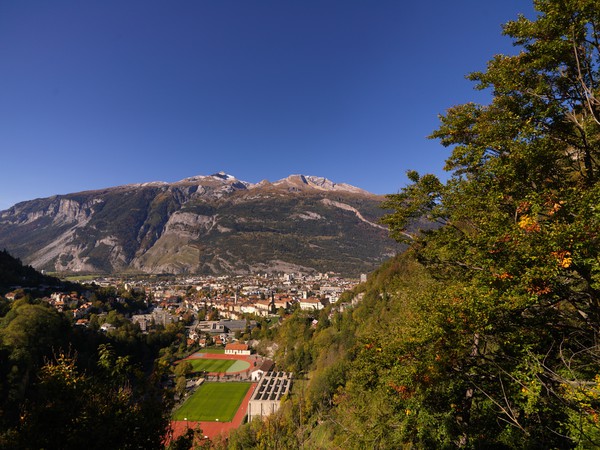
<point x="485" y="333"/>
<point x="64" y="386"/>
<point x="13" y="273"/>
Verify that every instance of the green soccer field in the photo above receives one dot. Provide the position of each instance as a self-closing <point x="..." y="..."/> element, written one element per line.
<point x="213" y="402"/>
<point x="214" y="351"/>
<point x="211" y="365"/>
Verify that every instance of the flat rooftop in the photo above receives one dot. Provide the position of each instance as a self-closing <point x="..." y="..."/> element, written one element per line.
<point x="266" y="397"/>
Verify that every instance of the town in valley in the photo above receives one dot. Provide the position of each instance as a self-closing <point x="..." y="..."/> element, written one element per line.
<point x="218" y="312"/>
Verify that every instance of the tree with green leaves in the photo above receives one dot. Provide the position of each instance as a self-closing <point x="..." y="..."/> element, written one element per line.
<point x="69" y="409"/>
<point x="517" y="242"/>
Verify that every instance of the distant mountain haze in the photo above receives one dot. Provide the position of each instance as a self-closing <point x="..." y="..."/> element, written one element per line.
<point x="212" y="224"/>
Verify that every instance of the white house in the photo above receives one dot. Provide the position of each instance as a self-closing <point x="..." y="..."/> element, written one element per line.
<point x="311" y="304"/>
<point x="237" y="349"/>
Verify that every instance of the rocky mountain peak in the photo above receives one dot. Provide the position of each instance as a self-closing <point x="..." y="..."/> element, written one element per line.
<point x="221" y="176"/>
<point x="303" y="182"/>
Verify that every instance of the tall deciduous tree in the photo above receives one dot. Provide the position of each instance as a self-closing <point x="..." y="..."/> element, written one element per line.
<point x="518" y="244"/>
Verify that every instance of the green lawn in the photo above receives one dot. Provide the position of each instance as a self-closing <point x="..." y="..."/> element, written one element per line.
<point x="81" y="278"/>
<point x="214" y="351"/>
<point x="213" y="401"/>
<point x="211" y="365"/>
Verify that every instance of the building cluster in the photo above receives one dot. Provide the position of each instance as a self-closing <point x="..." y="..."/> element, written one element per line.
<point x="216" y="310"/>
<point x="236" y="298"/>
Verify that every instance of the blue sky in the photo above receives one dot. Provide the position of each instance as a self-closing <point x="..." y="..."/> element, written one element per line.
<point x="97" y="94"/>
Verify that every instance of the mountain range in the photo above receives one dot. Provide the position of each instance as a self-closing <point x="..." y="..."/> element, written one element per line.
<point x="213" y="224"/>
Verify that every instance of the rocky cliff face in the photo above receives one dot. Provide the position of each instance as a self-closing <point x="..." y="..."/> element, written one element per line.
<point x="204" y="224"/>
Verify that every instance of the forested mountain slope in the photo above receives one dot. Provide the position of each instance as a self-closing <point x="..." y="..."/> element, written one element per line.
<point x="13" y="273"/>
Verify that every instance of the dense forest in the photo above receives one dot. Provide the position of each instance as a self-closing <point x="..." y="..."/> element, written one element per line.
<point x="64" y="386"/>
<point x="484" y="334"/>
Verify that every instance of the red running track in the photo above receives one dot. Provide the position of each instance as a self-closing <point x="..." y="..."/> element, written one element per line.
<point x="214" y="429"/>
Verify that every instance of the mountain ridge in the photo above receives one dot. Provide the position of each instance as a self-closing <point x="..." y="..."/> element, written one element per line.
<point x="202" y="224"/>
